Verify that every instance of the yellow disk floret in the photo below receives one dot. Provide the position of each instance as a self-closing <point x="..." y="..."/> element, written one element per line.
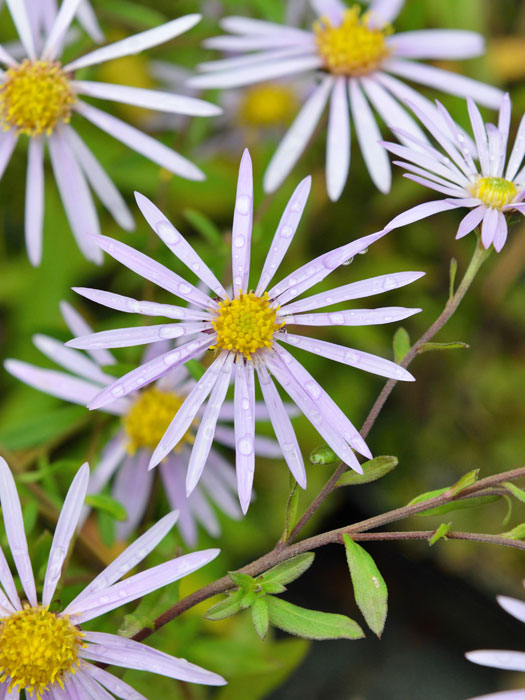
<point x="34" y="97"/>
<point x="149" y="418"/>
<point x="494" y="192"/>
<point x="266" y="105"/>
<point x="353" y="47"/>
<point x="37" y="648"/>
<point x="246" y="324"/>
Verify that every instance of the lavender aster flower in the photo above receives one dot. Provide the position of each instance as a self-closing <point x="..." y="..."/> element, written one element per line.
<point x="247" y="332"/>
<point x="38" y="98"/>
<point x="356" y="58"/>
<point x="47" y="654"/>
<point x="510" y="660"/>
<point x="144" y="418"/>
<point x="489" y="191"/>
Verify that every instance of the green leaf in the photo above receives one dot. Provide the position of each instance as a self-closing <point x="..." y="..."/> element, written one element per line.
<point x="431" y="347"/>
<point x="46" y="470"/>
<point x="370" y="591"/>
<point x="401" y="344"/>
<point x="272" y="588"/>
<point x="323" y="455"/>
<point x="452" y="276"/>
<point x="517" y="533"/>
<point x="514" y="490"/>
<point x="243" y="581"/>
<point x="289" y="570"/>
<point x="260" y="616"/>
<point x="508" y="514"/>
<point x="195" y="369"/>
<point x="311" y="624"/>
<point x="35" y="430"/>
<point x="205" y="226"/>
<point x="227" y="607"/>
<point x="464" y="482"/>
<point x="106" y="504"/>
<point x="440" y="533"/>
<point x="459" y="504"/>
<point x="372" y="470"/>
<point x="248" y="599"/>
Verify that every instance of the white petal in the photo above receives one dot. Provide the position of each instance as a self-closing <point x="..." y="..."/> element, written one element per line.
<point x="517" y="153"/>
<point x="18" y="11"/>
<point x="66" y="13"/>
<point x="72" y="360"/>
<point x="8" y="142"/>
<point x="333" y="9"/>
<point x="34" y="211"/>
<point x="338" y="140"/>
<point x="88" y="19"/>
<point x="447" y="44"/>
<point x="384" y="12"/>
<point x="244" y="399"/>
<point x="513" y="606"/>
<point x="496" y="658"/>
<point x="242" y="226"/>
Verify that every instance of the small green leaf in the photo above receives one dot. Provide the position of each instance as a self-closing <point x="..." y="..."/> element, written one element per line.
<point x="248" y="599"/>
<point x="370" y="589"/>
<point x="242" y="580"/>
<point x="260" y="616"/>
<point x="440" y="533"/>
<point x="401" y="344"/>
<point x="227" y="607"/>
<point x="464" y="482"/>
<point x="272" y="588"/>
<point x="323" y="455"/>
<point x="311" y="624"/>
<point x="289" y="570"/>
<point x="431" y="347"/>
<point x="372" y="470"/>
<point x="106" y="504"/>
<point x="452" y="276"/>
<point x="459" y="504"/>
<point x="195" y="369"/>
<point x="514" y="490"/>
<point x="517" y="533"/>
<point x="508" y="514"/>
<point x="204" y="226"/>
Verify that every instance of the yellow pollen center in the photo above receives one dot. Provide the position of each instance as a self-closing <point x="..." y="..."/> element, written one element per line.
<point x="353" y="47"/>
<point x="267" y="105"/>
<point x="495" y="192"/>
<point x="37" y="648"/>
<point x="246" y="324"/>
<point x="35" y="96"/>
<point x="149" y="418"/>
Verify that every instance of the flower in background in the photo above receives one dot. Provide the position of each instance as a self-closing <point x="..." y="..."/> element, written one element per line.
<point x="247" y="331"/>
<point x="489" y="194"/>
<point x="46" y="653"/>
<point x="38" y="98"/>
<point x="356" y="57"/>
<point x="145" y="416"/>
<point x="510" y="660"/>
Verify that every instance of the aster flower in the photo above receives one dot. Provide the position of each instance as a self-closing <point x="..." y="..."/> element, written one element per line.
<point x="45" y="652"/>
<point x="490" y="191"/>
<point x="357" y="61"/>
<point x="510" y="660"/>
<point x="144" y="418"/>
<point x="247" y="333"/>
<point x="38" y="97"/>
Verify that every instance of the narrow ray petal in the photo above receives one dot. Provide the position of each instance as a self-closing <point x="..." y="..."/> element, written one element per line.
<point x="420" y="211"/>
<point x="18" y="11"/>
<point x="353" y="317"/>
<point x="78" y="326"/>
<point x="72" y="360"/>
<point x="447" y="44"/>
<point x="242" y="226"/>
<point x="338" y="140"/>
<point x="470" y="221"/>
<point x="66" y="13"/>
<point x="34" y="208"/>
<point x="244" y="399"/>
<point x="137" y="335"/>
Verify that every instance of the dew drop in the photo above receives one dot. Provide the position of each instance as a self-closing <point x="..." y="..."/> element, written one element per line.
<point x="117" y="391"/>
<point x="245" y="445"/>
<point x="286" y="231"/>
<point x="245" y="404"/>
<point x="313" y="389"/>
<point x="239" y="241"/>
<point x="184" y="288"/>
<point x="336" y="318"/>
<point x="168" y="234"/>
<point x="243" y="204"/>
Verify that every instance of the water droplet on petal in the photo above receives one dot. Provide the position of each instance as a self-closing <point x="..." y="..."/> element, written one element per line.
<point x="243" y="204"/>
<point x="286" y="231"/>
<point x="168" y="234"/>
<point x="239" y="241"/>
<point x="245" y="445"/>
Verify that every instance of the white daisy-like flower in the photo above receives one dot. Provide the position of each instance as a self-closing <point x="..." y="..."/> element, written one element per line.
<point x="38" y="97"/>
<point x="247" y="332"/>
<point x="494" y="188"/>
<point x="45" y="652"/>
<point x="496" y="658"/>
<point x="358" y="61"/>
<point x="145" y="416"/>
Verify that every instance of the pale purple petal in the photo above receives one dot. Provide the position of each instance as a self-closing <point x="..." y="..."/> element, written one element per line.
<point x="85" y="687"/>
<point x="248" y="25"/>
<point x="284" y="233"/>
<point x="227" y="65"/>
<point x="504" y="125"/>
<point x="72" y="360"/>
<point x="420" y="211"/>
<point x="204" y="513"/>
<point x="112" y="455"/>
<point x="34" y="208"/>
<point x="148" y="372"/>
<point x="219" y="490"/>
<point x="100" y="602"/>
<point x="173" y="474"/>
<point x="505" y="695"/>
<point x="460" y="138"/>
<point x="208" y="422"/>
<point x="452" y="191"/>
<point x="244" y="399"/>
<point x="332" y="9"/>
<point x="489" y="227"/>
<point x="136" y="43"/>
<point x="353" y="317"/>
<point x="100" y="182"/>
<point x="261" y="411"/>
<point x="282" y="426"/>
<point x="154" y="272"/>
<point x="66" y="13"/>
<point x="137" y="335"/>
<point x="437" y="164"/>
<point x="368" y="136"/>
<point x="470" y="221"/>
<point x="6" y="58"/>
<point x="114" y="684"/>
<point x="18" y="11"/>
<point x="75" y="195"/>
<point x="434" y="179"/>
<point x="501" y="232"/>
<point x="127" y="653"/>
<point x="64" y="531"/>
<point x="513" y="606"/>
<point x="147" y="146"/>
<point x="187" y="412"/>
<point x="132" y="488"/>
<point x="496" y="152"/>
<point x="88" y="19"/>
<point x="242" y="226"/>
<point x="517" y="153"/>
<point x="452" y="83"/>
<point x="256" y="42"/>
<point x="263" y="446"/>
<point x="7" y="581"/>
<point x="338" y="140"/>
<point x="496" y="658"/>
<point x="178" y="244"/>
<point x="384" y="12"/>
<point x="297" y="136"/>
<point x="447" y="44"/>
<point x="354" y="290"/>
<point x="14" y="527"/>
<point x="78" y="326"/>
<point x="348" y="356"/>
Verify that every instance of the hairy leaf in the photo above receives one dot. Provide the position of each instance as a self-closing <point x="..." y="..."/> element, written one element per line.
<point x="289" y="570"/>
<point x="323" y="455"/>
<point x="311" y="624"/>
<point x="106" y="504"/>
<point x="440" y="533"/>
<point x="260" y="616"/>
<point x="227" y="607"/>
<point x="372" y="470"/>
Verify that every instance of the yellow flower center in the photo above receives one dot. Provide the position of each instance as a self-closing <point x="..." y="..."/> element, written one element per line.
<point x="37" y="648"/>
<point x="34" y="97"/>
<point x="149" y="418"/>
<point x="267" y="105"/>
<point x="246" y="324"/>
<point x="352" y="48"/>
<point x="495" y="192"/>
